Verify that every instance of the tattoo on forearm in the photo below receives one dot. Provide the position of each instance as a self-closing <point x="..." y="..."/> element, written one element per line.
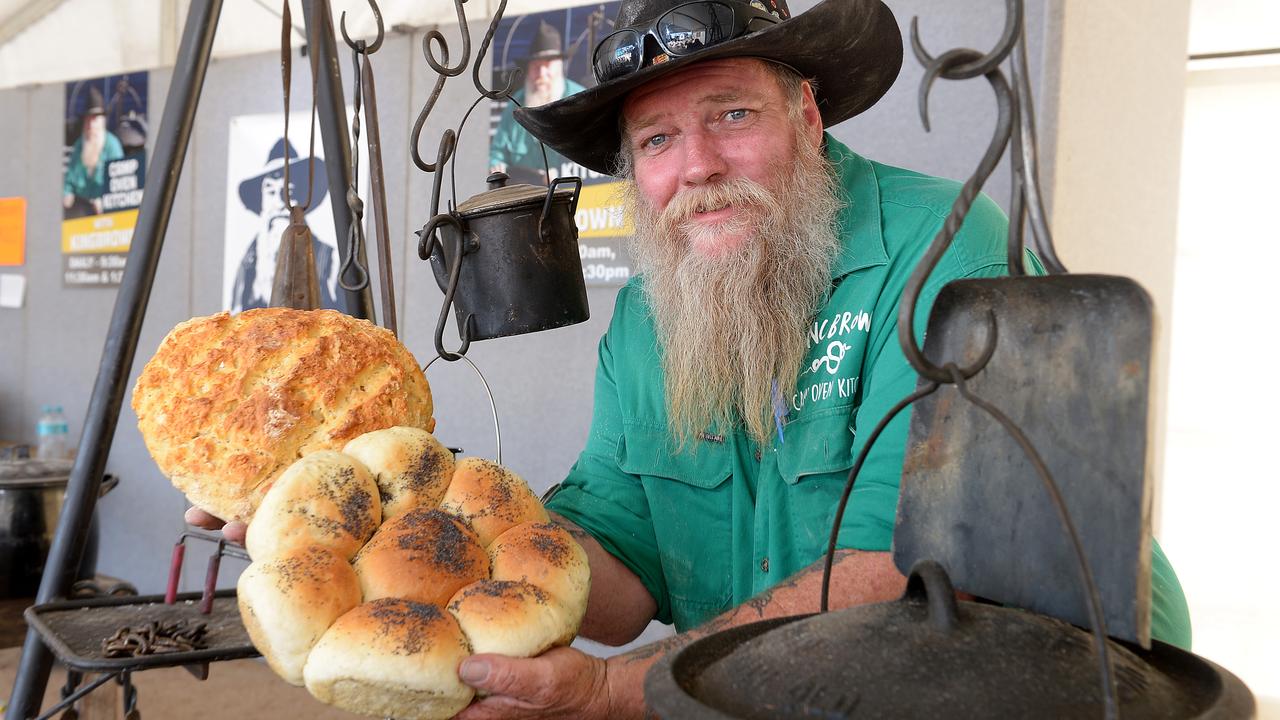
<point x="572" y="528"/>
<point x="759" y="606"/>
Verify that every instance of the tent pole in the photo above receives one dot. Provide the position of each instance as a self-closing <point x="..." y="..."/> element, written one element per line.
<point x="337" y="147"/>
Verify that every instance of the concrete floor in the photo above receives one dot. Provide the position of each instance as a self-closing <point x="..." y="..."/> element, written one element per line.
<point x="241" y="689"/>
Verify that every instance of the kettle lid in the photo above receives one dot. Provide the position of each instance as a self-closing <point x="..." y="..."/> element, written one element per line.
<point x="501" y="197"/>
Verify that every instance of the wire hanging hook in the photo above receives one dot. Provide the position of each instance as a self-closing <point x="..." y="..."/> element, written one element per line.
<point x="484" y="48"/>
<point x="968" y="193"/>
<point x="975" y="64"/>
<point x="368" y="49"/>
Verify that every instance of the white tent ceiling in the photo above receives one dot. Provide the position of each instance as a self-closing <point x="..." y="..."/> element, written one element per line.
<point x="57" y="40"/>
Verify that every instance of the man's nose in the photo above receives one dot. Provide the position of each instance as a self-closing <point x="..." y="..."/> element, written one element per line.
<point x="703" y="161"/>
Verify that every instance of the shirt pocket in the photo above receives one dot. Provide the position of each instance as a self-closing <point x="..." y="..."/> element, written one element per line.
<point x="817" y="444"/>
<point x="814" y="462"/>
<point x="691" y="504"/>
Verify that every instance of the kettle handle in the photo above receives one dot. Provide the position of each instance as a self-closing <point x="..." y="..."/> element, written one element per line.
<point x="546" y="204"/>
<point x="428" y="245"/>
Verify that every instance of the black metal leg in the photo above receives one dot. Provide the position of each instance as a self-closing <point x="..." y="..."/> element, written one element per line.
<point x="122" y="342"/>
<point x="337" y="148"/>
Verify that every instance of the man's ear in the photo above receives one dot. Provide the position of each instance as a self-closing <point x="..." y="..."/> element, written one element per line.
<point x="812" y="117"/>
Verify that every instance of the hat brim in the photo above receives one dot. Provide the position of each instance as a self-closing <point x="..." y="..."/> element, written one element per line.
<point x="251" y="190"/>
<point x="852" y="48"/>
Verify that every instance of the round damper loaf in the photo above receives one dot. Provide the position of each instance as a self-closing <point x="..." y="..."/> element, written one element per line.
<point x="325" y="498"/>
<point x="391" y="658"/>
<point x="411" y="467"/>
<point x="229" y="401"/>
<point x="289" y="601"/>
<point x="491" y="498"/>
<point x="424" y="555"/>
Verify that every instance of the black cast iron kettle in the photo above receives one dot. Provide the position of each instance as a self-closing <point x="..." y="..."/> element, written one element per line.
<point x="508" y="262"/>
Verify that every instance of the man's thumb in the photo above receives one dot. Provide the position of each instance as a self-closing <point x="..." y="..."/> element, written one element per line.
<point x="496" y="674"/>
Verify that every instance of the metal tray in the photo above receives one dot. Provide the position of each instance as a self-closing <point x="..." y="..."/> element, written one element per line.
<point x="74" y="629"/>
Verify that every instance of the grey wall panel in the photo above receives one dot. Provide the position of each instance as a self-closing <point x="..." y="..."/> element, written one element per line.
<point x="14" y="182"/>
<point x="962" y="113"/>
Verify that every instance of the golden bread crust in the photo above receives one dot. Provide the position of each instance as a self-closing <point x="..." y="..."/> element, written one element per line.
<point x="547" y="556"/>
<point x="391" y="658"/>
<point x="288" y="602"/>
<point x="326" y="498"/>
<point x="411" y="467"/>
<point x="491" y="498"/>
<point x="229" y="401"/>
<point x="424" y="555"/>
<point x="510" y="617"/>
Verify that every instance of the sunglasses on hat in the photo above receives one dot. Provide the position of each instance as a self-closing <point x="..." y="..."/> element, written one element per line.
<point x="682" y="30"/>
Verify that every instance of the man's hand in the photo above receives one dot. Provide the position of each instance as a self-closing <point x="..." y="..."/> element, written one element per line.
<point x="232" y="531"/>
<point x="560" y="683"/>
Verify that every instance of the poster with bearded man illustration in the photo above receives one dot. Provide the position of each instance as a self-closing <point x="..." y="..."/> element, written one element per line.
<point x="544" y="57"/>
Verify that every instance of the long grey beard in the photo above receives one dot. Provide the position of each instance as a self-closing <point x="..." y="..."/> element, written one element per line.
<point x="729" y="326"/>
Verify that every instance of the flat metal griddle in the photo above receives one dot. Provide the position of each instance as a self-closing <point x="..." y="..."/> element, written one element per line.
<point x="74" y="630"/>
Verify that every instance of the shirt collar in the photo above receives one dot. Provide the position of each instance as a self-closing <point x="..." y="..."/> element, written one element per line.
<point x="861" y="241"/>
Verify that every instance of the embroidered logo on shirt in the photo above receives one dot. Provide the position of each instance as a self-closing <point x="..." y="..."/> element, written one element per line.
<point x="824" y="376"/>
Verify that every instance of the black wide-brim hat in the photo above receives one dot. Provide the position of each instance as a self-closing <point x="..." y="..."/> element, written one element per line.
<point x="851" y="48"/>
<point x="300" y="177"/>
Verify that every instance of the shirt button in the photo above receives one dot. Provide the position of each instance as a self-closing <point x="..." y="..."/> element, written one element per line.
<point x="757" y="456"/>
<point x="764" y="565"/>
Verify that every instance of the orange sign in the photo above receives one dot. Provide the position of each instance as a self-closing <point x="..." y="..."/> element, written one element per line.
<point x="13" y="231"/>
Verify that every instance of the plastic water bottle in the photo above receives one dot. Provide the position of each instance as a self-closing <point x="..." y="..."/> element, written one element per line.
<point x="51" y="434"/>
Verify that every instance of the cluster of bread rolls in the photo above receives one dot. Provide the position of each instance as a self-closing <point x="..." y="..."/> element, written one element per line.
<point x="378" y="569"/>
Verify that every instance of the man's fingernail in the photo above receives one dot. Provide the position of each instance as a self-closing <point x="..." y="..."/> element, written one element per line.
<point x="473" y="671"/>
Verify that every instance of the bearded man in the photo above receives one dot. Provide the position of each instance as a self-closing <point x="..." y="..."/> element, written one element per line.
<point x="756" y="348"/>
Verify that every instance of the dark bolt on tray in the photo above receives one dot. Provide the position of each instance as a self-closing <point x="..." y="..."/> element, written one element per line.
<point x="155" y="638"/>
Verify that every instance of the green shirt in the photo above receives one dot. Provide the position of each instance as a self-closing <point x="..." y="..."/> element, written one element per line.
<point x="709" y="527"/>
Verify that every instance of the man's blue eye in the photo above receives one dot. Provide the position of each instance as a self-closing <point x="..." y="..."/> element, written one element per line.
<point x="655" y="141"/>
<point x="739" y="114"/>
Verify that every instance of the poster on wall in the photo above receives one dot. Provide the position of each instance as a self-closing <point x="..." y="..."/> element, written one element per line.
<point x="548" y="56"/>
<point x="257" y="209"/>
<point x="13" y="230"/>
<point x="104" y="166"/>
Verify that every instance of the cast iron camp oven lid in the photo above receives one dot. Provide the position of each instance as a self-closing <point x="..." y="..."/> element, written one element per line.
<point x="34" y="473"/>
<point x="929" y="656"/>
<point x="501" y="197"/>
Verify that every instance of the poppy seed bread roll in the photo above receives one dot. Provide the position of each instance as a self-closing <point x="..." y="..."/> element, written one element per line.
<point x="491" y="498"/>
<point x="391" y="658"/>
<point x="424" y="555"/>
<point x="512" y="618"/>
<point x="229" y="401"/>
<point x="411" y="467"/>
<point x="289" y="601"/>
<point x="326" y="498"/>
<point x="545" y="555"/>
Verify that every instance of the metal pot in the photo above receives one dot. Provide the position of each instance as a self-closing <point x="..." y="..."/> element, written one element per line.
<point x="508" y="262"/>
<point x="31" y="496"/>
<point x="928" y="655"/>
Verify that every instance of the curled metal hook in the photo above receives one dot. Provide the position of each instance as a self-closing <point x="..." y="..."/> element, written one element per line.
<point x="415" y="137"/>
<point x="442" y="66"/>
<point x="976" y="64"/>
<point x="484" y="48"/>
<point x="968" y="193"/>
<point x="367" y="49"/>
